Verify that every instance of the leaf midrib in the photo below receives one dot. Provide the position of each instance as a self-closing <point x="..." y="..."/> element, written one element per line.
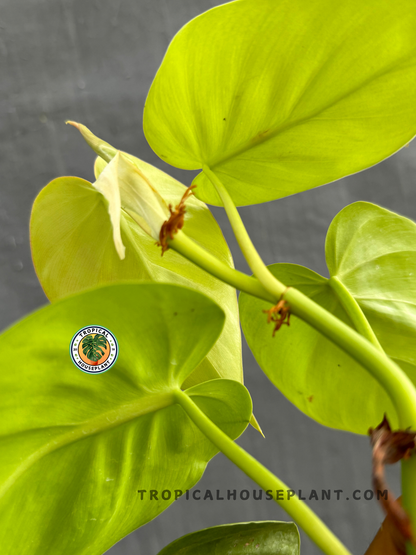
<point x="281" y="127"/>
<point x="111" y="419"/>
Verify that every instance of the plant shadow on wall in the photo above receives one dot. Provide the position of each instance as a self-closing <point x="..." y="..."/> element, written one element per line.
<point x="232" y="100"/>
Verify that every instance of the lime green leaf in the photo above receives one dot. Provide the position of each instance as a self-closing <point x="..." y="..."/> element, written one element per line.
<point x="76" y="448"/>
<point x="70" y="211"/>
<point x="280" y="97"/>
<point x="371" y="255"/>
<point x="372" y="252"/>
<point x="260" y="538"/>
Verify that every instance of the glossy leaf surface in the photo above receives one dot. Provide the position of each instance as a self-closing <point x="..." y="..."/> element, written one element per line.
<point x="280" y="97"/>
<point x="260" y="538"/>
<point x="76" y="448"/>
<point x="371" y="252"/>
<point x="73" y="249"/>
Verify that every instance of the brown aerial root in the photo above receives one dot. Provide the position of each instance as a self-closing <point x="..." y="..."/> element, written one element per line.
<point x="279" y="314"/>
<point x="388" y="448"/>
<point x="175" y="222"/>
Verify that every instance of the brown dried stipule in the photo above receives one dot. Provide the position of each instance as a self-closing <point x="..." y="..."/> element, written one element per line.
<point x="175" y="221"/>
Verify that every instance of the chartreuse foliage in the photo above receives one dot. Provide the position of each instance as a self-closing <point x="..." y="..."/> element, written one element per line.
<point x="76" y="448"/>
<point x="73" y="249"/>
<point x="371" y="257"/>
<point x="279" y="97"/>
<point x="245" y="538"/>
<point x="268" y="99"/>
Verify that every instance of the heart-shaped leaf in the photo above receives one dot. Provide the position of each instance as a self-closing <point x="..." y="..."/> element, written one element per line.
<point x="371" y="256"/>
<point x="280" y="97"/>
<point x="245" y="538"/>
<point x="77" y="448"/>
<point x="73" y="249"/>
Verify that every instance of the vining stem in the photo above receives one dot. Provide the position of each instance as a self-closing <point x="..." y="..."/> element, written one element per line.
<point x="297" y="509"/>
<point x="210" y="263"/>
<point x="354" y="311"/>
<point x="366" y="352"/>
<point x="391" y="377"/>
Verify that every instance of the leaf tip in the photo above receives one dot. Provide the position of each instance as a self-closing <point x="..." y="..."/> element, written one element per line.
<point x="73" y="123"/>
<point x="254" y="422"/>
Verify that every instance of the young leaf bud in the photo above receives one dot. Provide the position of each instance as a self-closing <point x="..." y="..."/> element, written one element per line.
<point x="125" y="187"/>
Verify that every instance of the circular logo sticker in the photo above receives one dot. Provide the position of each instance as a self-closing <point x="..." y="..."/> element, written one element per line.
<point x="94" y="349"/>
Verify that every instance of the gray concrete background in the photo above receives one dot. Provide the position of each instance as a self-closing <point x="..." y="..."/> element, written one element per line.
<point x="93" y="61"/>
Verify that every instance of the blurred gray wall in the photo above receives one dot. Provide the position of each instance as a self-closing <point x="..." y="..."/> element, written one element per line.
<point x="93" y="61"/>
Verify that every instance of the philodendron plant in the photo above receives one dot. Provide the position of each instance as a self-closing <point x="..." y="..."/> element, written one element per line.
<point x="267" y="98"/>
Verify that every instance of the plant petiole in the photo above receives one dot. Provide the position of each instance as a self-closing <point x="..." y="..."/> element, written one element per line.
<point x="363" y="349"/>
<point x="312" y="525"/>
<point x="185" y="246"/>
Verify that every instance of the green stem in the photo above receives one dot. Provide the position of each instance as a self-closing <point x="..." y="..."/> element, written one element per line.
<point x="299" y="511"/>
<point x="260" y="270"/>
<point x="352" y="308"/>
<point x="196" y="254"/>
<point x="391" y="377"/>
<point x="394" y="381"/>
